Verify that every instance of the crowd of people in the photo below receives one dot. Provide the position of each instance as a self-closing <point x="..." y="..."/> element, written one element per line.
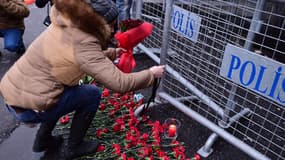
<point x="42" y="85"/>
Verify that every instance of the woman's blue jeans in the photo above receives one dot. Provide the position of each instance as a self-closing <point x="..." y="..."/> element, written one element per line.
<point x="83" y="97"/>
<point x="124" y="7"/>
<point x="13" y="38"/>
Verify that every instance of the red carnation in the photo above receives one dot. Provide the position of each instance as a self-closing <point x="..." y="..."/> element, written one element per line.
<point x="143" y="151"/>
<point x="105" y="93"/>
<point x="64" y="119"/>
<point x="102" y="107"/>
<point x="117" y="149"/>
<point x="124" y="97"/>
<point x="100" y="132"/>
<point x="112" y="113"/>
<point x="116" y="95"/>
<point x="196" y="157"/>
<point x="100" y="148"/>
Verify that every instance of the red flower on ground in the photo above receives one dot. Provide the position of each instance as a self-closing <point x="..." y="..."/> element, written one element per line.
<point x="119" y="125"/>
<point x="160" y="153"/>
<point x="64" y="119"/>
<point x="100" y="148"/>
<point x="116" y="106"/>
<point x="105" y="93"/>
<point x="197" y="157"/>
<point x="112" y="113"/>
<point x="145" y="136"/>
<point x="124" y="97"/>
<point x="116" y="95"/>
<point x="123" y="156"/>
<point x="143" y="151"/>
<point x="131" y="104"/>
<point x="100" y="132"/>
<point x="102" y="107"/>
<point x="117" y="149"/>
<point x="131" y="139"/>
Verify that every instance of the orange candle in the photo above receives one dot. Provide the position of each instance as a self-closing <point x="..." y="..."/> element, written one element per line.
<point x="172" y="130"/>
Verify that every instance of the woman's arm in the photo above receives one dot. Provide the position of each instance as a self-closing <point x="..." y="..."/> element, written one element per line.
<point x="93" y="62"/>
<point x="41" y="3"/>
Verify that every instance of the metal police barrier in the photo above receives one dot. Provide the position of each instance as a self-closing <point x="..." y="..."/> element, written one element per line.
<point x="225" y="68"/>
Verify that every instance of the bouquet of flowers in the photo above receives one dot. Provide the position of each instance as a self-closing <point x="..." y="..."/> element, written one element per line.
<point x="131" y="33"/>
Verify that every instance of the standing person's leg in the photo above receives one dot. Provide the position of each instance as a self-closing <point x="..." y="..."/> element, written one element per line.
<point x="124" y="7"/>
<point x="13" y="40"/>
<point x="1" y="35"/>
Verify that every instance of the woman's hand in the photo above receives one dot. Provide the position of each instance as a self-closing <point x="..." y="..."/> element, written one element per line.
<point x="157" y="70"/>
<point x="119" y="51"/>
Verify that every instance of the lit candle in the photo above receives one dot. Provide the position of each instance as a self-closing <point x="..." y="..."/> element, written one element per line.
<point x="29" y="2"/>
<point x="172" y="130"/>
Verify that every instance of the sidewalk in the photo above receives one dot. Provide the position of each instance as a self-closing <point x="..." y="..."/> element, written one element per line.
<point x="19" y="145"/>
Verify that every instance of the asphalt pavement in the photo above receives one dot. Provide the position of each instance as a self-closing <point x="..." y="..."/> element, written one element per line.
<point x="16" y="140"/>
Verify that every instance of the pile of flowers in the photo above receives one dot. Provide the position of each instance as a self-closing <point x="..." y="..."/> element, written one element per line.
<point x="123" y="136"/>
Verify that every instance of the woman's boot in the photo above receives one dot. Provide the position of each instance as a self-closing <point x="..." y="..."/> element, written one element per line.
<point x="77" y="147"/>
<point x="44" y="139"/>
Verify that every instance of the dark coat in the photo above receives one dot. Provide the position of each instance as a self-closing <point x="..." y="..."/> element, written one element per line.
<point x="12" y="14"/>
<point x="42" y="3"/>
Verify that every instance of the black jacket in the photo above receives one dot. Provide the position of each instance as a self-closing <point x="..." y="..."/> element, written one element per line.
<point x="42" y="3"/>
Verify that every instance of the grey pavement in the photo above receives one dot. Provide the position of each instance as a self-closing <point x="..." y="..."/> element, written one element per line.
<point x="16" y="140"/>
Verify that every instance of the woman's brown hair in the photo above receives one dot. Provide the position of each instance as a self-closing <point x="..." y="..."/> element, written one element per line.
<point x="85" y="18"/>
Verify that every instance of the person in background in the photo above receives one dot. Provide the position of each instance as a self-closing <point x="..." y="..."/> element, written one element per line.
<point x="42" y="85"/>
<point x="124" y="8"/>
<point x="12" y="27"/>
<point x="42" y="4"/>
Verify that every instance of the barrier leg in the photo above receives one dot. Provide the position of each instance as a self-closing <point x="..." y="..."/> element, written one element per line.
<point x="206" y="150"/>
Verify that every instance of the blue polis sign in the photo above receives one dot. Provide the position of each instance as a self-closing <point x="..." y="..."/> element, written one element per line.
<point x="258" y="73"/>
<point x="186" y="23"/>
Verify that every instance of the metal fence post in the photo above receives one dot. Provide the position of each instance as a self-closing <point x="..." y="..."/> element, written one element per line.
<point x="165" y="36"/>
<point x="254" y="27"/>
<point x="255" y="24"/>
<point x="206" y="150"/>
<point x="138" y="9"/>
